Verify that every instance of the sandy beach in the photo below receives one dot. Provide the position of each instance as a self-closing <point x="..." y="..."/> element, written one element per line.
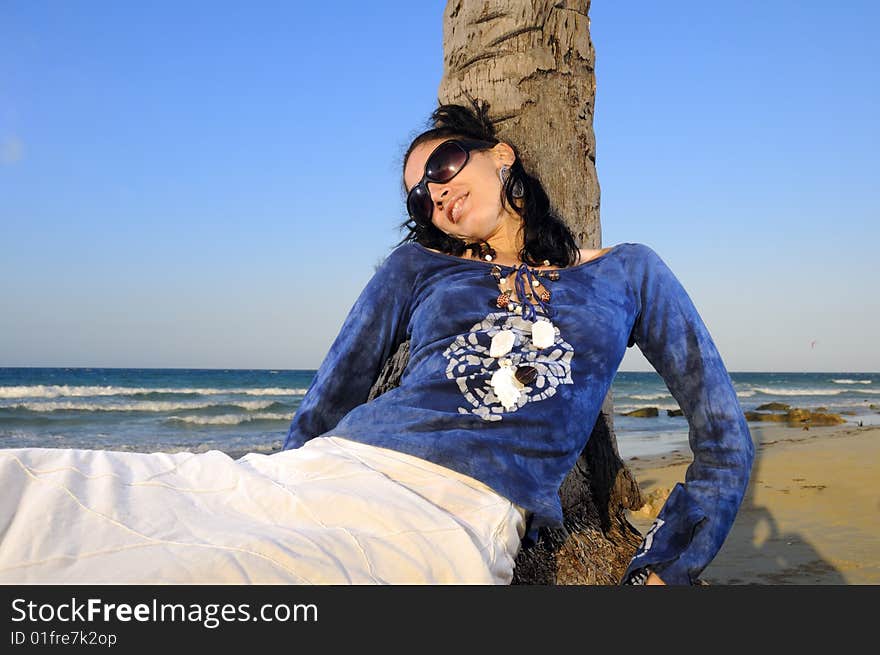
<point x="811" y="514"/>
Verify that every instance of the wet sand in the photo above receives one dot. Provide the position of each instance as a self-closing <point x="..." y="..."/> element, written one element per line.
<point x="811" y="514"/>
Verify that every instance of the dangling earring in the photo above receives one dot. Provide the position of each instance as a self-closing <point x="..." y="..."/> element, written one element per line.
<point x="517" y="190"/>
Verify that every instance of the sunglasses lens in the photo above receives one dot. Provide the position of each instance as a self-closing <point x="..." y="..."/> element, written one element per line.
<point x="419" y="204"/>
<point x="445" y="162"/>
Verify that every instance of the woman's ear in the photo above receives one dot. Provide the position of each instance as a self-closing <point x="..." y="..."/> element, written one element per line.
<point x="504" y="154"/>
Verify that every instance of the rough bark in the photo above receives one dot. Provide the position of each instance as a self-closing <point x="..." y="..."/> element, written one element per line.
<point x="533" y="60"/>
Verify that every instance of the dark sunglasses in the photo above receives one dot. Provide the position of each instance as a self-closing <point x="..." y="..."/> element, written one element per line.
<point x="443" y="164"/>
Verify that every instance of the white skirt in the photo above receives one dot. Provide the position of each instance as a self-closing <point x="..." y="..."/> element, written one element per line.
<point x="331" y="512"/>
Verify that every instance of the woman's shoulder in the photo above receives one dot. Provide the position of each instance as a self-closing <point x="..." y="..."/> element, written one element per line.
<point x="625" y="250"/>
<point x="418" y="247"/>
<point x="632" y="250"/>
<point x="633" y="258"/>
<point x="587" y="254"/>
<point x="401" y="264"/>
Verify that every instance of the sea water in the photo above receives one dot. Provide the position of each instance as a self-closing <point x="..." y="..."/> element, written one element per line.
<point x="239" y="411"/>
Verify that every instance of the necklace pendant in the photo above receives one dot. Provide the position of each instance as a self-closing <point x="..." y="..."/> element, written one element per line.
<point x="503" y="300"/>
<point x="502" y="343"/>
<point x="526" y="374"/>
<point x="506" y="387"/>
<point x="543" y="334"/>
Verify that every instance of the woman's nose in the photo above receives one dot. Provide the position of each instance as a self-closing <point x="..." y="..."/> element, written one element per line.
<point x="439" y="195"/>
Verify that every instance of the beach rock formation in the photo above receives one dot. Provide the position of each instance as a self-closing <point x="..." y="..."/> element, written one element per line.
<point x="643" y="412"/>
<point x="796" y="417"/>
<point x="773" y="407"/>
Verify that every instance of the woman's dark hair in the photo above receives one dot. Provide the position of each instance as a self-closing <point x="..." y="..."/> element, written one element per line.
<point x="545" y="235"/>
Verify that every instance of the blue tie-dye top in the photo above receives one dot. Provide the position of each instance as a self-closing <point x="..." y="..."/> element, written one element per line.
<point x="446" y="409"/>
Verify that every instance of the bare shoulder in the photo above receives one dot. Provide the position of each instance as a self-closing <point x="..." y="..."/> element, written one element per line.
<point x="586" y="254"/>
<point x="468" y="254"/>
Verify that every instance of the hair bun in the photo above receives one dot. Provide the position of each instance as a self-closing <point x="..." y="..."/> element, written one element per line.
<point x="473" y="120"/>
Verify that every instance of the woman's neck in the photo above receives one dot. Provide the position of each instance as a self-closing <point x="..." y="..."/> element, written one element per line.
<point x="507" y="241"/>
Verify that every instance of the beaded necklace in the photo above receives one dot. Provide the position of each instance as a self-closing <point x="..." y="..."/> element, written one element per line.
<point x="526" y="284"/>
<point x="532" y="297"/>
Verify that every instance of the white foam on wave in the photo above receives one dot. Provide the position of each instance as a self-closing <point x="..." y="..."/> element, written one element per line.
<point x="847" y="381"/>
<point x="136" y="406"/>
<point x="664" y="396"/>
<point x="229" y="419"/>
<point x="853" y="402"/>
<point x="783" y="391"/>
<point x="61" y="390"/>
<point x="629" y="407"/>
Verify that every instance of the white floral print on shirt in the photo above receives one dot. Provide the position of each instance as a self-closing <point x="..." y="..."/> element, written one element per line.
<point x="489" y="383"/>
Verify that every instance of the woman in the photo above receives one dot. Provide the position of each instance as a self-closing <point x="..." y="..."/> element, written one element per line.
<point x="515" y="336"/>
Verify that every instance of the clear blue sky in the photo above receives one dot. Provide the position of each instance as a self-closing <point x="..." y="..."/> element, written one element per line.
<point x="182" y="184"/>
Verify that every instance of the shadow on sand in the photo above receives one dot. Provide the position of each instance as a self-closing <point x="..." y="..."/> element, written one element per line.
<point x="757" y="551"/>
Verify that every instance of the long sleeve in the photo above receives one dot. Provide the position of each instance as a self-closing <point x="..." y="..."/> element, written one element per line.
<point x="698" y="515"/>
<point x="372" y="331"/>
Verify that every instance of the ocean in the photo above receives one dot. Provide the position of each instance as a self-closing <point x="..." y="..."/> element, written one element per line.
<point x="239" y="411"/>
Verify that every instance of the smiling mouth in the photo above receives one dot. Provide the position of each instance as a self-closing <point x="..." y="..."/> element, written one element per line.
<point x="456" y="209"/>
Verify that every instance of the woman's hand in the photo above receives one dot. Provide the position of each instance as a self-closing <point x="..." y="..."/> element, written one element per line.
<point x="653" y="578"/>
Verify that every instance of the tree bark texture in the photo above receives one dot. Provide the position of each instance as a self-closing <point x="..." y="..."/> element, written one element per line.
<point x="533" y="60"/>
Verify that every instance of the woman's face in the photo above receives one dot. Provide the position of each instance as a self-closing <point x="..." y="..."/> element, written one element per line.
<point x="481" y="211"/>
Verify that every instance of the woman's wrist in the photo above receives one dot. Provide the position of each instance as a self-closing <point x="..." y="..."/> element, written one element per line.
<point x="639" y="576"/>
<point x="653" y="578"/>
<point x="644" y="576"/>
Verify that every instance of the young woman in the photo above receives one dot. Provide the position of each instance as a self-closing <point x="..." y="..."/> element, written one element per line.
<point x="515" y="337"/>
